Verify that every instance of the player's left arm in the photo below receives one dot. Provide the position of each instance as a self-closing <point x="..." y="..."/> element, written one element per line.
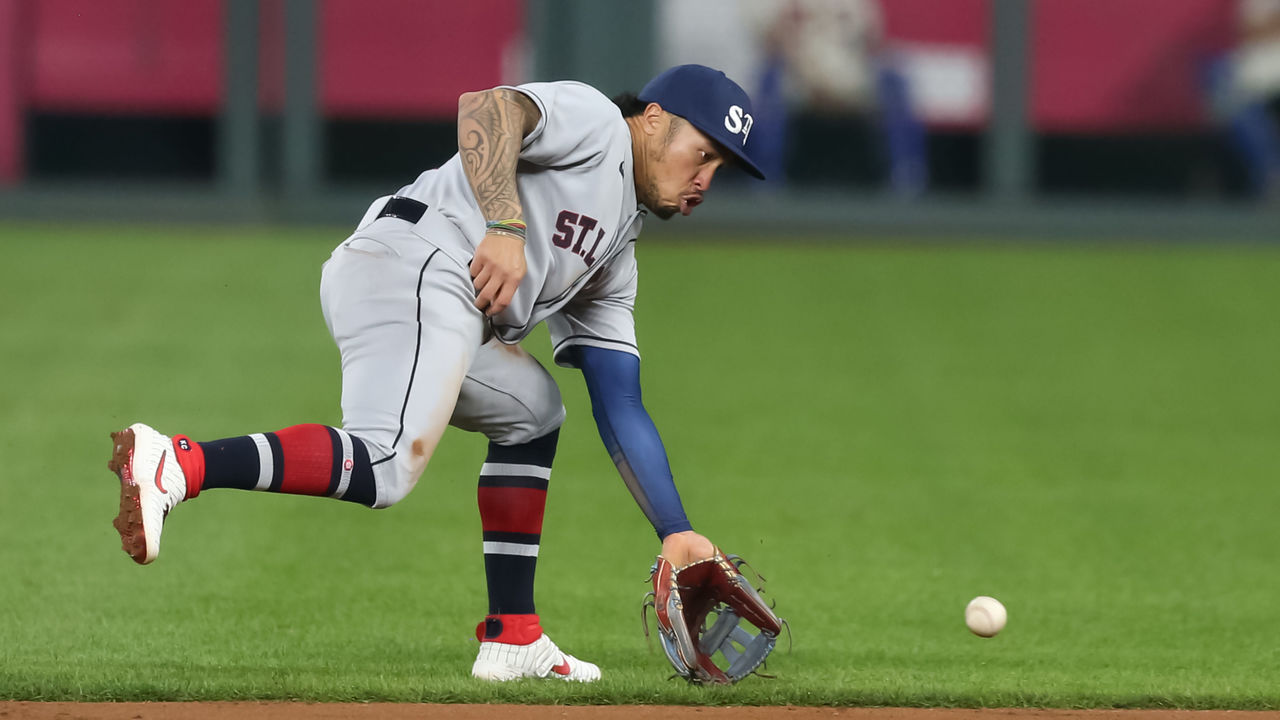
<point x="629" y="434"/>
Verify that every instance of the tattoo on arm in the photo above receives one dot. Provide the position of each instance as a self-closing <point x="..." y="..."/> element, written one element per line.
<point x="491" y="127"/>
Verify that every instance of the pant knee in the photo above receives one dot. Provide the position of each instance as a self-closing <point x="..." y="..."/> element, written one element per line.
<point x="532" y="427"/>
<point x="395" y="473"/>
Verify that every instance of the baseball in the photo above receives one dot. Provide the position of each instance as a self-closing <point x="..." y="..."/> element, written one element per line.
<point x="985" y="616"/>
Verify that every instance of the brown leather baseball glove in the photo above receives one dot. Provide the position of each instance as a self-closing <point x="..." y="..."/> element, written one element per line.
<point x="706" y="612"/>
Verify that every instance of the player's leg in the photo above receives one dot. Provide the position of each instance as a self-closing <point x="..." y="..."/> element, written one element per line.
<point x="402" y="317"/>
<point x="157" y="472"/>
<point x="512" y="399"/>
<point x="404" y="355"/>
<point x="514" y="402"/>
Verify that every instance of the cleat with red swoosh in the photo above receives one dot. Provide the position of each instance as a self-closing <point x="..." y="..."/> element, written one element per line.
<point x="539" y="659"/>
<point x="151" y="484"/>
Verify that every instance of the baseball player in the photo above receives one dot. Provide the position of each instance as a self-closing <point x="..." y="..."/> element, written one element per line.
<point x="534" y="219"/>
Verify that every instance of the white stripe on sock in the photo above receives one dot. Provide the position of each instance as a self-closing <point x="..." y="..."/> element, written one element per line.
<point x="506" y="548"/>
<point x="533" y="471"/>
<point x="264" y="461"/>
<point x="348" y="463"/>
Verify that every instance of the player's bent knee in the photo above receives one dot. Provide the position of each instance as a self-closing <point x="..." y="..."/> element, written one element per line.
<point x="395" y="473"/>
<point x="395" y="481"/>
<point x="530" y="428"/>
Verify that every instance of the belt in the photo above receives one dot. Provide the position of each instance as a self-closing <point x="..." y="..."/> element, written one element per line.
<point x="403" y="208"/>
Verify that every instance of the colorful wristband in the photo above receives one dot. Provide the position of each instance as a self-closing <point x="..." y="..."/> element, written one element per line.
<point x="510" y="227"/>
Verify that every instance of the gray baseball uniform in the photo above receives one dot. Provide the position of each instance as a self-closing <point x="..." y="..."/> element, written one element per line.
<point x="397" y="295"/>
<point x="417" y="354"/>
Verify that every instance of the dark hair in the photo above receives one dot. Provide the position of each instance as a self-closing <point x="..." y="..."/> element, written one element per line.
<point x="632" y="106"/>
<point x="629" y="104"/>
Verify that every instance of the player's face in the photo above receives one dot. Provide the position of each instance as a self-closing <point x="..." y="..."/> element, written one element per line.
<point x="682" y="170"/>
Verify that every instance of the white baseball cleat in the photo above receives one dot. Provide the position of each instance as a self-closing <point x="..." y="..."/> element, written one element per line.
<point x="151" y="484"/>
<point x="539" y="659"/>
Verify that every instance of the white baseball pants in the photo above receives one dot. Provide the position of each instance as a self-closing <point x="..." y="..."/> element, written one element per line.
<point x="413" y="354"/>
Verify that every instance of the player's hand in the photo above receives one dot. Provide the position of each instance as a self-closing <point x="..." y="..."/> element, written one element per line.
<point x="496" y="271"/>
<point x="682" y="548"/>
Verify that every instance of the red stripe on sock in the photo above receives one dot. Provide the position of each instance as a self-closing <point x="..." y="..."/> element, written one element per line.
<point x="509" y="509"/>
<point x="191" y="459"/>
<point x="308" y="459"/>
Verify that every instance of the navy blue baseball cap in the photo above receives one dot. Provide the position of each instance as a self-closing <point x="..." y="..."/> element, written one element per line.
<point x="711" y="102"/>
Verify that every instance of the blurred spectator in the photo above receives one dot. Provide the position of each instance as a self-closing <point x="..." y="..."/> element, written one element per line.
<point x="1245" y="91"/>
<point x="1258" y="59"/>
<point x="820" y="78"/>
<point x="826" y="58"/>
<point x="827" y="48"/>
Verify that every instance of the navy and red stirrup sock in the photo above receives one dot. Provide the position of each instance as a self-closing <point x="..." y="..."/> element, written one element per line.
<point x="512" y="495"/>
<point x="299" y="460"/>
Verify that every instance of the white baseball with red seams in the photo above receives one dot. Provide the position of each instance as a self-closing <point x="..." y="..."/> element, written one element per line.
<point x="985" y="616"/>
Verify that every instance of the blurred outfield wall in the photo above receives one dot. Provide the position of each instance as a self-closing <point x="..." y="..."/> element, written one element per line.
<point x="1034" y="117"/>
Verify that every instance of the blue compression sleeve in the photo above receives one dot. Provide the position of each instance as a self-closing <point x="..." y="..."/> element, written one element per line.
<point x="613" y="380"/>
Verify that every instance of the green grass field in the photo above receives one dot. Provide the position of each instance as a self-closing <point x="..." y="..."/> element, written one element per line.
<point x="1087" y="432"/>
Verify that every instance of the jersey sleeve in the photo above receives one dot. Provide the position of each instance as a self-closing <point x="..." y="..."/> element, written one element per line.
<point x="613" y="381"/>
<point x="577" y="126"/>
<point x="601" y="314"/>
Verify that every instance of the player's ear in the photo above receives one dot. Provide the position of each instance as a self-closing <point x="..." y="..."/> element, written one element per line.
<point x="653" y="118"/>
